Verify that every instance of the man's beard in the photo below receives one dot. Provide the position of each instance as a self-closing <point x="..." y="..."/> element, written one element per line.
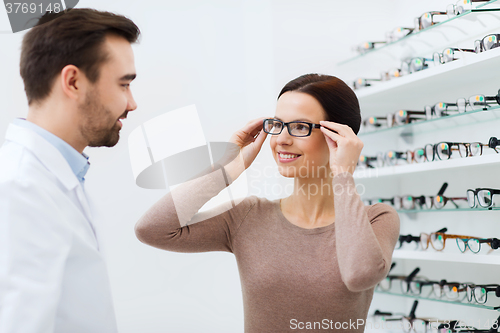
<point x="98" y="126"/>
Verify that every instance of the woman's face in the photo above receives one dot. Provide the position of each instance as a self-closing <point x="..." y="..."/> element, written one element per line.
<point x="312" y="150"/>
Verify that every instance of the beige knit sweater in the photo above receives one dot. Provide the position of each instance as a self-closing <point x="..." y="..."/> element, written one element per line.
<point x="293" y="279"/>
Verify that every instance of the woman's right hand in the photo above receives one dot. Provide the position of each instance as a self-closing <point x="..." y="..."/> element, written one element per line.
<point x="248" y="144"/>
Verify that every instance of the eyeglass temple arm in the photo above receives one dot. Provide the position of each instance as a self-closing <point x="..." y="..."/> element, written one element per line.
<point x="493" y="143"/>
<point x="443" y="188"/>
<point x="413" y="308"/>
<point x="380" y="313"/>
<point x="412" y="274"/>
<point x="465" y="50"/>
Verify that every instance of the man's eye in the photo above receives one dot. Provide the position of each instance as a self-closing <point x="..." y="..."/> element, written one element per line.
<point x="126" y="85"/>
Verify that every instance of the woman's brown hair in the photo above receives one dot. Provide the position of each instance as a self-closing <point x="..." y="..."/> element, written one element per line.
<point x="337" y="98"/>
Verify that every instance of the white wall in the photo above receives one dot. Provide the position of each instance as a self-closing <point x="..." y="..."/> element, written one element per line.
<point x="230" y="58"/>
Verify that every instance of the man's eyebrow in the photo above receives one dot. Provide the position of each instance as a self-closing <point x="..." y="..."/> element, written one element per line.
<point x="300" y="119"/>
<point x="128" y="77"/>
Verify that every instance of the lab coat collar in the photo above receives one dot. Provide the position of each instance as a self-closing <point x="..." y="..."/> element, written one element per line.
<point x="45" y="152"/>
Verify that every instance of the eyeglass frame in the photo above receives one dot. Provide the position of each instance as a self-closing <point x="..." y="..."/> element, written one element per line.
<point x="477" y="202"/>
<point x="455" y="12"/>
<point x="445" y="237"/>
<point x="481" y="43"/>
<point x="487" y="287"/>
<point x="494" y="243"/>
<point x="311" y="126"/>
<point x="441" y="55"/>
<point x="461" y="287"/>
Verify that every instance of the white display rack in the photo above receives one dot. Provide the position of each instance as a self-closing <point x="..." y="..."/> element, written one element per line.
<point x="425" y="126"/>
<point x="488" y="259"/>
<point x="427" y="166"/>
<point x="462" y="78"/>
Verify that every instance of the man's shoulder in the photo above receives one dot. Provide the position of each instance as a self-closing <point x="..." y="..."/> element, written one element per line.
<point x="20" y="166"/>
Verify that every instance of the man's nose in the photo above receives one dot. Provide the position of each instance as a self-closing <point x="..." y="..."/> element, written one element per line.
<point x="132" y="105"/>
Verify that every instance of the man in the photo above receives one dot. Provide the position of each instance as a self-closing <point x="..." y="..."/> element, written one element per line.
<point x="77" y="67"/>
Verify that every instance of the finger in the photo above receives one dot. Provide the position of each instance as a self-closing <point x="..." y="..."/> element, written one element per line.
<point x="254" y="126"/>
<point x="341" y="129"/>
<point x="260" y="138"/>
<point x="332" y="135"/>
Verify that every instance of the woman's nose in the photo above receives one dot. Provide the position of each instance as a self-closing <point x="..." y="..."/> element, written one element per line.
<point x="284" y="137"/>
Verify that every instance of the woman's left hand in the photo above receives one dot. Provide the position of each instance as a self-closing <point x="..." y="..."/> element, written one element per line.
<point x="345" y="146"/>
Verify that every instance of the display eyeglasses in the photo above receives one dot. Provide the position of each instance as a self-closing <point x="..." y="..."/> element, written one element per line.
<point x="361" y="82"/>
<point x="444" y="150"/>
<point x="487" y="43"/>
<point x="438" y="239"/>
<point x="398" y="33"/>
<point x="448" y="55"/>
<point x="415" y="64"/>
<point x="474" y="244"/>
<point x="460" y="7"/>
<point x="295" y="128"/>
<point x="481" y="197"/>
<point x="475" y="102"/>
<point x="479" y="293"/>
<point x="408" y="239"/>
<point x="425" y="239"/>
<point x="398" y="118"/>
<point x="386" y="284"/>
<point x="427" y="19"/>
<point x="413" y="324"/>
<point x="390" y="74"/>
<point x="454" y="291"/>
<point x="367" y="46"/>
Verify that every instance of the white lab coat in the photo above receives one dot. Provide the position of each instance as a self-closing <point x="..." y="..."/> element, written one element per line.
<point x="52" y="276"/>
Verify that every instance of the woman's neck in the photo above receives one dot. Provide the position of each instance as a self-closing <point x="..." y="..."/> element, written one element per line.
<point x="311" y="203"/>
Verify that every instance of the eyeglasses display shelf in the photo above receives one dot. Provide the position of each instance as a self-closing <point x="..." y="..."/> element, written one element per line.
<point x="426" y="166"/>
<point x="426" y="126"/>
<point x="440" y="300"/>
<point x="431" y="255"/>
<point x="473" y="74"/>
<point x="469" y="24"/>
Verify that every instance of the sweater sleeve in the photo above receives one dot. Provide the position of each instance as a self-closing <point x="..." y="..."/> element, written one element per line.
<point x="365" y="238"/>
<point x="174" y="224"/>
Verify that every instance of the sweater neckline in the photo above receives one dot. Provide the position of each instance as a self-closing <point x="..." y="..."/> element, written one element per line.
<point x="289" y="225"/>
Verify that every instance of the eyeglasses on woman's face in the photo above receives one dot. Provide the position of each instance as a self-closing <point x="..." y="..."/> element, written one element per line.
<point x="295" y="128"/>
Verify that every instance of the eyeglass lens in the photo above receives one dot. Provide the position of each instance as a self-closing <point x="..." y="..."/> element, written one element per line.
<point x="272" y="126"/>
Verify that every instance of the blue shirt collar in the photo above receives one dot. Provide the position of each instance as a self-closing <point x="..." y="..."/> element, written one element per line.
<point x="78" y="162"/>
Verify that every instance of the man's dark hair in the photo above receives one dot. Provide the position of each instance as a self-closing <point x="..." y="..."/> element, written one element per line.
<point x="337" y="98"/>
<point x="71" y="37"/>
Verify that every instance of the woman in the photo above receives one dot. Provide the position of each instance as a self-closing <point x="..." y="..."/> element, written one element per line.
<point x="307" y="261"/>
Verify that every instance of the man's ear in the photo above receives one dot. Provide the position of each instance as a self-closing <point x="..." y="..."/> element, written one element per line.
<point x="73" y="82"/>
